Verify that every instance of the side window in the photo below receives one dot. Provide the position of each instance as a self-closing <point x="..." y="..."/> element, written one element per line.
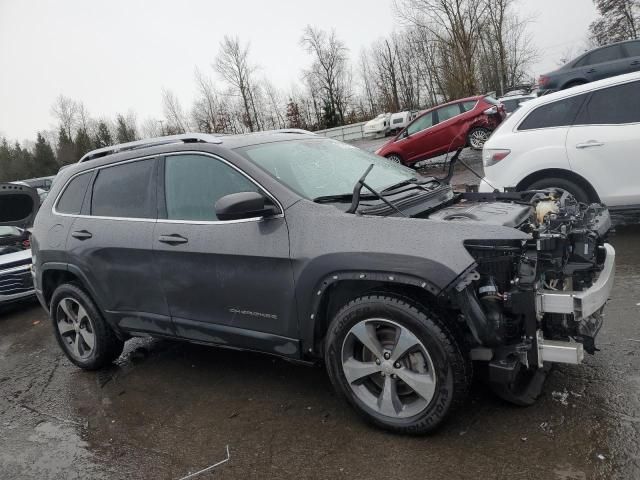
<point x="633" y="49"/>
<point x="450" y="111"/>
<point x="606" y="54"/>
<point x="193" y="184"/>
<point x="556" y="114"/>
<point x="127" y="190"/>
<point x="613" y="105"/>
<point x="73" y="195"/>
<point x="466" y="106"/>
<point x="421" y="123"/>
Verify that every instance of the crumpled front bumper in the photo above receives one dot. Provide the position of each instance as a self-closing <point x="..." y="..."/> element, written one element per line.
<point x="585" y="303"/>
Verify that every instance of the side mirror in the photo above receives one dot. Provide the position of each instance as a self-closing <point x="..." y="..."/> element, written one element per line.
<point x="404" y="133"/>
<point x="242" y="205"/>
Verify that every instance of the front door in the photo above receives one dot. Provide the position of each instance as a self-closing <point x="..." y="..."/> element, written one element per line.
<point x="226" y="282"/>
<point x="416" y="139"/>
<point x="603" y="144"/>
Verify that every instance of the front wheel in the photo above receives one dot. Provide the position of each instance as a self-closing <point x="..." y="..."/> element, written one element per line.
<point x="563" y="184"/>
<point x="395" y="158"/>
<point x="396" y="363"/>
<point x="477" y="137"/>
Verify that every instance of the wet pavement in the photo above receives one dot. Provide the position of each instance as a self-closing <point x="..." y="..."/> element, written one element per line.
<point x="167" y="408"/>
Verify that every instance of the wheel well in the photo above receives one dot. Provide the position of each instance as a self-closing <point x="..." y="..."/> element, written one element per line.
<point x="51" y="279"/>
<point x="559" y="173"/>
<point x="340" y="293"/>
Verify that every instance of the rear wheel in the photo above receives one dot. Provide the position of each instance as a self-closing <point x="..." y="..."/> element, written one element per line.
<point x="395" y="158"/>
<point x="477" y="137"/>
<point x="563" y="184"/>
<point x="396" y="363"/>
<point x="86" y="339"/>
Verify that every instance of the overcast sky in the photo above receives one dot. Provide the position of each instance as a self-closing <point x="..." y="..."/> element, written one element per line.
<point x="117" y="55"/>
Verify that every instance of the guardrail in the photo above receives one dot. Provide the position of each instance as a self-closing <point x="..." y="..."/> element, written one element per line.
<point x="355" y="131"/>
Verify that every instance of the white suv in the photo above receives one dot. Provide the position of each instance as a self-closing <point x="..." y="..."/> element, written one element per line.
<point x="585" y="140"/>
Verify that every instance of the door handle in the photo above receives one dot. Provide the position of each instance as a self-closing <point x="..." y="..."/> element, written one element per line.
<point x="589" y="144"/>
<point x="81" y="235"/>
<point x="173" y="239"/>
<point x="635" y="62"/>
<point x="591" y="70"/>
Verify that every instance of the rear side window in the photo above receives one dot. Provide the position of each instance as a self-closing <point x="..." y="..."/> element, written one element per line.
<point x="556" y="114"/>
<point x="73" y="196"/>
<point x="126" y="190"/>
<point x="490" y="100"/>
<point x="398" y="120"/>
<point x="606" y="54"/>
<point x="633" y="49"/>
<point x="194" y="183"/>
<point x="613" y="105"/>
<point x="466" y="106"/>
<point x="450" y="111"/>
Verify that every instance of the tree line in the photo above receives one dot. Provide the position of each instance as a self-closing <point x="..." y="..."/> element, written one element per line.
<point x="442" y="50"/>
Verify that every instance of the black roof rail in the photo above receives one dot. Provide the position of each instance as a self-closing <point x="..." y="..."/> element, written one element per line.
<point x="151" y="142"/>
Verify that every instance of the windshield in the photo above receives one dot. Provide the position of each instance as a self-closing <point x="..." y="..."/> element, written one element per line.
<point x="8" y="231"/>
<point x="322" y="167"/>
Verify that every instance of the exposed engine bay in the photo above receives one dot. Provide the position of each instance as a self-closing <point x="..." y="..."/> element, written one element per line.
<point x="529" y="302"/>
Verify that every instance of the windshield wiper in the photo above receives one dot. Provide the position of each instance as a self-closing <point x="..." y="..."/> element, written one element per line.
<point x="340" y="197"/>
<point x="355" y="201"/>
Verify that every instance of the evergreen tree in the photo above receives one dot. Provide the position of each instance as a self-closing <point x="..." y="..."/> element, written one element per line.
<point x="294" y="119"/>
<point x="66" y="152"/>
<point x="124" y="132"/>
<point x="82" y="143"/>
<point x="44" y="159"/>
<point x="103" y="136"/>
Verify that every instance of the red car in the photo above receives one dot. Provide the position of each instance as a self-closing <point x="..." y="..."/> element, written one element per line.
<point x="465" y="122"/>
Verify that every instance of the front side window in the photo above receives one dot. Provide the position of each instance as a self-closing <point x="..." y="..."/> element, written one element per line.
<point x="450" y="111"/>
<point x="73" y="196"/>
<point x="321" y="167"/>
<point x="126" y="190"/>
<point x="194" y="183"/>
<point x="421" y="123"/>
<point x="556" y="114"/>
<point x="614" y="105"/>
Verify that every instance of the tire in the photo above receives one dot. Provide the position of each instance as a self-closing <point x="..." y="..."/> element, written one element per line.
<point x="562" y="183"/>
<point x="477" y="137"/>
<point x="395" y="158"/>
<point x="435" y="364"/>
<point x="81" y="331"/>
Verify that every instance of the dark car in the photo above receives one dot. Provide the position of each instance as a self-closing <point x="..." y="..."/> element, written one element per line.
<point x="305" y="247"/>
<point x="18" y="206"/>
<point x="603" y="62"/>
<point x="445" y="128"/>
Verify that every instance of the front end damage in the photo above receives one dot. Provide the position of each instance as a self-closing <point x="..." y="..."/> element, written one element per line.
<point x="531" y="303"/>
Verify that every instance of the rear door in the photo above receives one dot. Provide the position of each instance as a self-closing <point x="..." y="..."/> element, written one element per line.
<point x="227" y="282"/>
<point x="110" y="243"/>
<point x="604" y="63"/>
<point x="603" y="144"/>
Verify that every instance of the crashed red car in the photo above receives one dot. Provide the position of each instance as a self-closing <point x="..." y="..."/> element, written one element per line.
<point x="464" y="122"/>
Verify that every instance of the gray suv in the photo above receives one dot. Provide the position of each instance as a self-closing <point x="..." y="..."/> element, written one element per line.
<point x="604" y="62"/>
<point x="307" y="248"/>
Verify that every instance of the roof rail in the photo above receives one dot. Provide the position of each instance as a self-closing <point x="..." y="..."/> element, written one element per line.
<point x="151" y="142"/>
<point x="291" y="130"/>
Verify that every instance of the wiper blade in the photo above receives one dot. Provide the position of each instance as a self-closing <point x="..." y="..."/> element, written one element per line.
<point x="400" y="184"/>
<point x="341" y="197"/>
<point x="358" y="188"/>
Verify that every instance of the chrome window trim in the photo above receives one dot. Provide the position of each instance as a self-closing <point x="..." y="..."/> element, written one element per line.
<point x="165" y="220"/>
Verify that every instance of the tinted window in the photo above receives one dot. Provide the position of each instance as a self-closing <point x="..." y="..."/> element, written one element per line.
<point x="421" y="123"/>
<point x="511" y="105"/>
<point x="194" y="183"/>
<point x="126" y="190"/>
<point x="466" y="106"/>
<point x="450" y="111"/>
<point x="73" y="195"/>
<point x="556" y="114"/>
<point x="613" y="105"/>
<point x="398" y="120"/>
<point x="606" y="54"/>
<point x="633" y="49"/>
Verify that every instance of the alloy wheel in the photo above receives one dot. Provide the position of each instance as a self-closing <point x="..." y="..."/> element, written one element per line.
<point x="477" y="138"/>
<point x="388" y="368"/>
<point x="394" y="159"/>
<point x="76" y="328"/>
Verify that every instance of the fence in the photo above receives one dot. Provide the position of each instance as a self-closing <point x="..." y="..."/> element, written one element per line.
<point x="355" y="131"/>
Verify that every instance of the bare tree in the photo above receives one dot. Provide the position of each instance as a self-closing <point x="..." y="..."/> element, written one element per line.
<point x="65" y="110"/>
<point x="174" y="115"/>
<point x="233" y="65"/>
<point x="328" y="70"/>
<point x="619" y="20"/>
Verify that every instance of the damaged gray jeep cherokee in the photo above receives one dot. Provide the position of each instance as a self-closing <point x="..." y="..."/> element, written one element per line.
<point x="304" y="247"/>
